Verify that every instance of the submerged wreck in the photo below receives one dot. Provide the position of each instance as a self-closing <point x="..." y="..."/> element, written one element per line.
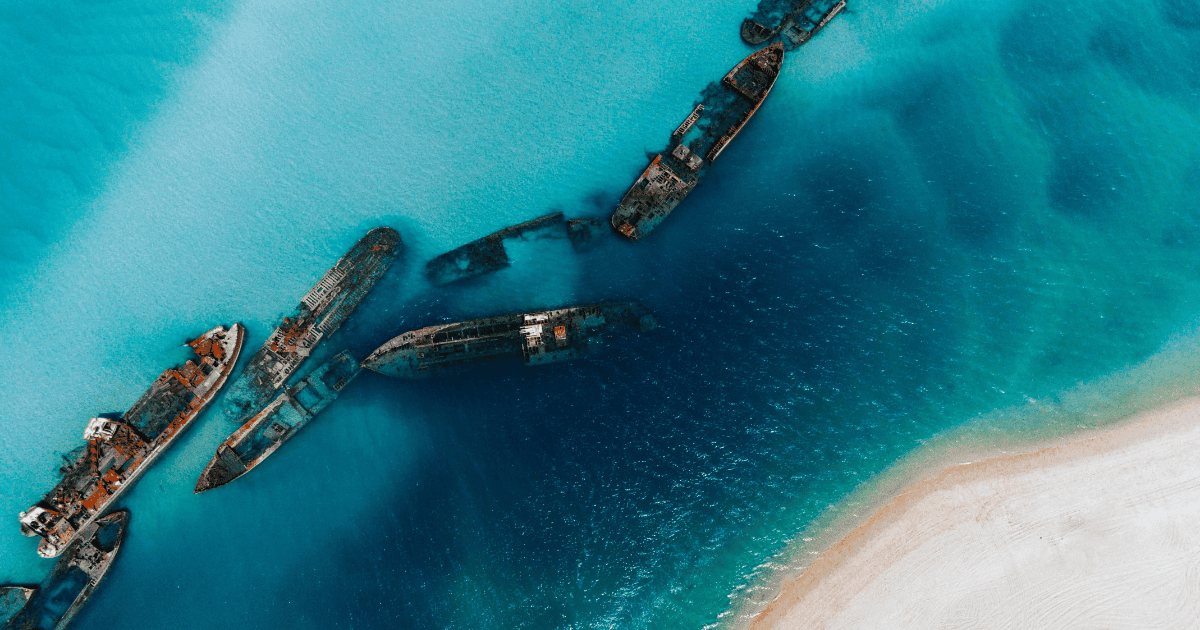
<point x="278" y="422"/>
<point x="533" y="338"/>
<point x="489" y="253"/>
<point x="74" y="577"/>
<point x="796" y="21"/>
<point x="320" y="313"/>
<point x="715" y="121"/>
<point x="120" y="450"/>
<point x="12" y="601"/>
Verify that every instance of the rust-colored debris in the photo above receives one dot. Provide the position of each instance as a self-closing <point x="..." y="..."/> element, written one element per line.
<point x="119" y="450"/>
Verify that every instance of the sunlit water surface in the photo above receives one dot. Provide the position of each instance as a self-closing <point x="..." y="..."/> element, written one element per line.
<point x="945" y="208"/>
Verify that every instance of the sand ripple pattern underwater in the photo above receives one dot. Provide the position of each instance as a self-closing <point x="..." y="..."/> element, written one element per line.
<point x="945" y="208"/>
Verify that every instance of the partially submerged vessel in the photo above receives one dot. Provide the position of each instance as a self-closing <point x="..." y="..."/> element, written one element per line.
<point x="13" y="600"/>
<point x="74" y="577"/>
<point x="119" y="450"/>
<point x="490" y="253"/>
<point x="697" y="143"/>
<point x="796" y="21"/>
<point x="320" y="313"/>
<point x="534" y="338"/>
<point x="278" y="422"/>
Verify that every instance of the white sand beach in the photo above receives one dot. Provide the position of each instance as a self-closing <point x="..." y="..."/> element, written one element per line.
<point x="1102" y="532"/>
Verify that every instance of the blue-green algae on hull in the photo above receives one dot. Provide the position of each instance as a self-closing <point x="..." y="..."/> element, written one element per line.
<point x="944" y="209"/>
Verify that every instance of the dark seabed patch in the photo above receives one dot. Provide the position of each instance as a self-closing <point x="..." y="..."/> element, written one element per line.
<point x="1182" y="13"/>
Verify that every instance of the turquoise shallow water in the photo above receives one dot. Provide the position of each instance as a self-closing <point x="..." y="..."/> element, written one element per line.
<point x="944" y="209"/>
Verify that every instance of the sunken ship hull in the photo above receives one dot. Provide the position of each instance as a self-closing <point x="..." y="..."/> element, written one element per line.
<point x="12" y="601"/>
<point x="264" y="433"/>
<point x="796" y="21"/>
<point x="490" y="253"/>
<point x="74" y="577"/>
<point x="120" y="450"/>
<point x="697" y="143"/>
<point x="532" y="338"/>
<point x="320" y="313"/>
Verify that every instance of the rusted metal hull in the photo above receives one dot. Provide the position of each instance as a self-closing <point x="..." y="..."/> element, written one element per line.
<point x="12" y="601"/>
<point x="490" y="253"/>
<point x="697" y="142"/>
<point x="756" y="34"/>
<point x="320" y="313"/>
<point x="74" y="577"/>
<point x="534" y="338"/>
<point x="264" y="433"/>
<point x="796" y="21"/>
<point x="119" y="451"/>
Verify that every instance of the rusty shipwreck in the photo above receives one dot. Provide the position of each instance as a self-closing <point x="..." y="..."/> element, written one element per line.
<point x="698" y="141"/>
<point x="74" y="578"/>
<point x="794" y="21"/>
<point x="533" y="338"/>
<point x="267" y="430"/>
<point x="320" y="313"/>
<point x="119" y="450"/>
<point x="491" y="253"/>
<point x="12" y="601"/>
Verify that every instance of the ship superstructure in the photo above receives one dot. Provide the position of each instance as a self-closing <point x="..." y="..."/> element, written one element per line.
<point x="278" y="422"/>
<point x="74" y="577"/>
<point x="697" y="143"/>
<point x="119" y="450"/>
<point x="533" y="338"/>
<point x="796" y="21"/>
<point x="490" y="253"/>
<point x="320" y="313"/>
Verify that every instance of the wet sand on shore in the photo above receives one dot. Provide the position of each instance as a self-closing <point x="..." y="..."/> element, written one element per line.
<point x="1100" y="531"/>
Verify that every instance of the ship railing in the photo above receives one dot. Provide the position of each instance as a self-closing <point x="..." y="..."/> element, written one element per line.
<point x="686" y="125"/>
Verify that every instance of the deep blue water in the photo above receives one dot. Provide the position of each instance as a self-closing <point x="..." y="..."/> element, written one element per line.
<point x="945" y="210"/>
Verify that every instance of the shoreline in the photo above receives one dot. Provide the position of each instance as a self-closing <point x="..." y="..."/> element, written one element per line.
<point x="923" y="483"/>
<point x="1091" y="408"/>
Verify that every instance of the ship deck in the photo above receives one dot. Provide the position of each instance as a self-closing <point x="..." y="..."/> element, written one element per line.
<point x="725" y="107"/>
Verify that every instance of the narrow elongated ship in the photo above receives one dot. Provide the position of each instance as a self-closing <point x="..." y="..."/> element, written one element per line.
<point x="490" y="253"/>
<point x="797" y="21"/>
<point x="320" y="313"/>
<point x="534" y="338"/>
<point x="278" y="422"/>
<point x="697" y="143"/>
<point x="74" y="577"/>
<point x="119" y="450"/>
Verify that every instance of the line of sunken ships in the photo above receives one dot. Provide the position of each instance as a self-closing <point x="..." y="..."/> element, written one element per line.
<point x="74" y="521"/>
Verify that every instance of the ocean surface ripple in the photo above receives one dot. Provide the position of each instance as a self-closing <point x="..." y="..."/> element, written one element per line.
<point x="945" y="208"/>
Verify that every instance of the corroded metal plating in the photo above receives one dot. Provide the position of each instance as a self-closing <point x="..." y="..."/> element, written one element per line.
<point x="262" y="434"/>
<point x="13" y="600"/>
<point x="488" y="254"/>
<point x="697" y="143"/>
<point x="320" y="313"/>
<point x="534" y="338"/>
<point x="796" y="21"/>
<point x="118" y="451"/>
<point x="76" y="576"/>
